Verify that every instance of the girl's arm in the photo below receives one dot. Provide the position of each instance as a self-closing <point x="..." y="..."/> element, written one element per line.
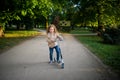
<point x="50" y="41"/>
<point x="59" y="37"/>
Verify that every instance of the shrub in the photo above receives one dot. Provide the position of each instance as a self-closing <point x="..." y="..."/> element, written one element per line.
<point x="65" y="28"/>
<point x="111" y="35"/>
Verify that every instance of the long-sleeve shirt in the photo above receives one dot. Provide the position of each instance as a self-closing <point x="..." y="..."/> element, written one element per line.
<point x="53" y="39"/>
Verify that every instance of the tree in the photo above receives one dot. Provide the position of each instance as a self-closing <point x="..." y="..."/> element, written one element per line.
<point x="64" y="10"/>
<point x="44" y="8"/>
<point x="84" y="11"/>
<point x="97" y="10"/>
<point x="24" y="9"/>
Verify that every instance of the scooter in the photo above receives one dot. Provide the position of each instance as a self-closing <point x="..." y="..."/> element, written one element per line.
<point x="61" y="61"/>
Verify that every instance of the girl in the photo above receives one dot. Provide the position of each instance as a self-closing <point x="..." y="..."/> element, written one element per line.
<point x="52" y="39"/>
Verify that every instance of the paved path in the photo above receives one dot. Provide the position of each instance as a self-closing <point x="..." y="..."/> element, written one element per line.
<point x="29" y="61"/>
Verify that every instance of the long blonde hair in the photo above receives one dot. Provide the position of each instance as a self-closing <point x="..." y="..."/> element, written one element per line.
<point x="52" y="25"/>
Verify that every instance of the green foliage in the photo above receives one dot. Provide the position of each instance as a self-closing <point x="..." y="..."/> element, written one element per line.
<point x="85" y="12"/>
<point x="81" y="31"/>
<point x="65" y="28"/>
<point x="111" y="35"/>
<point x="23" y="12"/>
<point x="44" y="8"/>
<point x="105" y="12"/>
<point x="18" y="9"/>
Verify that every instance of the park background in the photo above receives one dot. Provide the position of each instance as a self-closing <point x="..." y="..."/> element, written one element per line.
<point x="21" y="19"/>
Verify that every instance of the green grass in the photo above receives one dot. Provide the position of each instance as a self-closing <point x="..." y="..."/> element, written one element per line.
<point x="109" y="54"/>
<point x="13" y="38"/>
<point x="80" y="31"/>
<point x="23" y="33"/>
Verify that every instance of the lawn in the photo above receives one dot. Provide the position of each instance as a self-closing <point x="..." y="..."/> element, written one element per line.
<point x="81" y="31"/>
<point x="13" y="38"/>
<point x="109" y="54"/>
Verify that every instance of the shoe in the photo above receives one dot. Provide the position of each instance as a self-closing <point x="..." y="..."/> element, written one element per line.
<point x="50" y="62"/>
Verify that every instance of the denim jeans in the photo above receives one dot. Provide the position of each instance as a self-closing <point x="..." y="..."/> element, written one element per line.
<point x="57" y="48"/>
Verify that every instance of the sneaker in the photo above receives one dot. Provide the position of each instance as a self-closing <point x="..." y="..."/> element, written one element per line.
<point x="50" y="62"/>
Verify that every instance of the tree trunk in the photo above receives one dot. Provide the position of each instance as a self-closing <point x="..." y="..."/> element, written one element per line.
<point x="18" y="26"/>
<point x="1" y="32"/>
<point x="56" y="22"/>
<point x="100" y="18"/>
<point x="47" y="22"/>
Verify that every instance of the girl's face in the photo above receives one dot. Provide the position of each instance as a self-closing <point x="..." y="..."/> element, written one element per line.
<point x="51" y="30"/>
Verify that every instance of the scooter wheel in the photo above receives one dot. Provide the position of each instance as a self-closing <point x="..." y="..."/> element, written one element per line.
<point x="62" y="65"/>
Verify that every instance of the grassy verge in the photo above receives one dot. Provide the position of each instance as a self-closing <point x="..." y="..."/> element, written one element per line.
<point x="80" y="31"/>
<point x="109" y="54"/>
<point x="12" y="38"/>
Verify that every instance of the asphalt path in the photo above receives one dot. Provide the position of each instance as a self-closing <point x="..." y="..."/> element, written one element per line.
<point x="29" y="61"/>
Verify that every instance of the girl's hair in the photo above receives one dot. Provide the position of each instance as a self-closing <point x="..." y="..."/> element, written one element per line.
<point x="52" y="25"/>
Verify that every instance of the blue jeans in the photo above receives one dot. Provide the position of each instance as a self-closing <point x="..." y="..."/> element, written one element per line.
<point x="57" y="48"/>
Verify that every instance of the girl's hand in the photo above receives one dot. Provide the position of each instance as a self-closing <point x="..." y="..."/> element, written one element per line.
<point x="53" y="40"/>
<point x="60" y="38"/>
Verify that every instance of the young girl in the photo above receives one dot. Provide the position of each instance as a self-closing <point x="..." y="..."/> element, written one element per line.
<point x="52" y="39"/>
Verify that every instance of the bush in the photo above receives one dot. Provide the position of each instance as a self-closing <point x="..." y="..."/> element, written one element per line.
<point x="65" y="28"/>
<point x="111" y="35"/>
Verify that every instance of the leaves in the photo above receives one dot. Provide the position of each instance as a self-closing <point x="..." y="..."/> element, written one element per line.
<point x="23" y="12"/>
<point x="78" y="11"/>
<point x="19" y="8"/>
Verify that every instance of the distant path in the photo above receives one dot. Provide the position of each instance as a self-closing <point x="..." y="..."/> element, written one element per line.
<point x="29" y="61"/>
